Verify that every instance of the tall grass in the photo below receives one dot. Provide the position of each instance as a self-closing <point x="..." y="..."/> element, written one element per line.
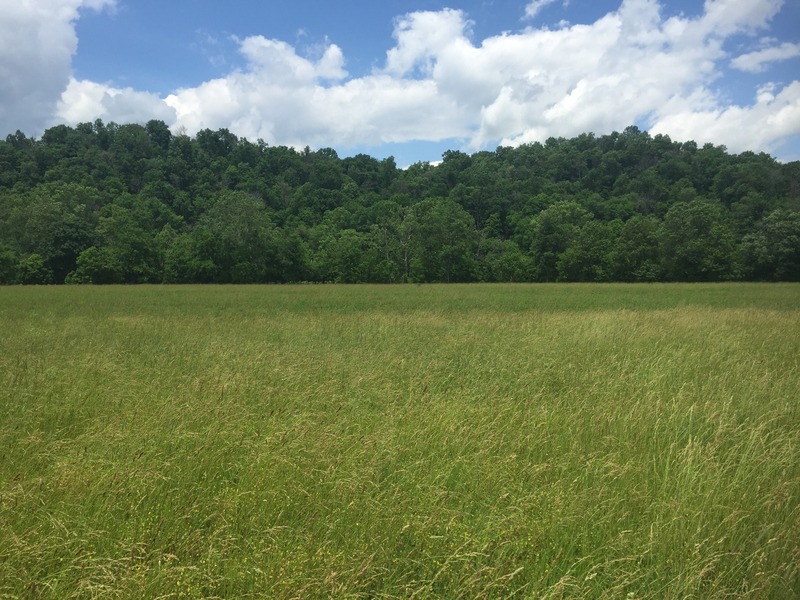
<point x="483" y="441"/>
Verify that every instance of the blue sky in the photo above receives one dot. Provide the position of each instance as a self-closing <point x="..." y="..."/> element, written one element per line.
<point x="410" y="79"/>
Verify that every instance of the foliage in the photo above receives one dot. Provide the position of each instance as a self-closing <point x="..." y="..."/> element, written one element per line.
<point x="136" y="203"/>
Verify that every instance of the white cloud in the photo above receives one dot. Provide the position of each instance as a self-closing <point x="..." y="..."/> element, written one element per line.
<point x="762" y="126"/>
<point x="631" y="66"/>
<point x="36" y="47"/>
<point x="754" y="62"/>
<point x="279" y="61"/>
<point x="84" y="101"/>
<point x="533" y="7"/>
<point x="421" y="37"/>
<point x="289" y="105"/>
<point x="726" y="17"/>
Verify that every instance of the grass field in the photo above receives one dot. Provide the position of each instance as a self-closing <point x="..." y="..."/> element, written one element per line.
<point x="463" y="441"/>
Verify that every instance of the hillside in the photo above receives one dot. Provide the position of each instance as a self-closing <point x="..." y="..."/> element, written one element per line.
<point x="108" y="203"/>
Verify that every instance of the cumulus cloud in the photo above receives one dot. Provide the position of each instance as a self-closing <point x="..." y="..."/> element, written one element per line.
<point x="286" y="99"/>
<point x="758" y="126"/>
<point x="755" y="62"/>
<point x="278" y="61"/>
<point x="633" y="65"/>
<point x="36" y="47"/>
<point x="421" y="37"/>
<point x="84" y="101"/>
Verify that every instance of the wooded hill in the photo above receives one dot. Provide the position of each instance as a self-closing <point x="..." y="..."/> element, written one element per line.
<point x="108" y="203"/>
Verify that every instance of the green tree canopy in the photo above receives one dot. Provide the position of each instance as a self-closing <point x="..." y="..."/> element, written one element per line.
<point x="103" y="202"/>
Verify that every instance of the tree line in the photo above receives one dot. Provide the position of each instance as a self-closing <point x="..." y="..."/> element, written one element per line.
<point x="106" y="203"/>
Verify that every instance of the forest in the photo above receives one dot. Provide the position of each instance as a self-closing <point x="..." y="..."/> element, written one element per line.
<point x="105" y="203"/>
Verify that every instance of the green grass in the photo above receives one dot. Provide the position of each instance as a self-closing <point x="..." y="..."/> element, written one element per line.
<point x="475" y="441"/>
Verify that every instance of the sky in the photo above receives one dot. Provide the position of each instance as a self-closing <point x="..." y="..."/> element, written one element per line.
<point x="410" y="79"/>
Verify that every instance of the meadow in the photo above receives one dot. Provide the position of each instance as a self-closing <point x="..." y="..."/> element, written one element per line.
<point x="435" y="441"/>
